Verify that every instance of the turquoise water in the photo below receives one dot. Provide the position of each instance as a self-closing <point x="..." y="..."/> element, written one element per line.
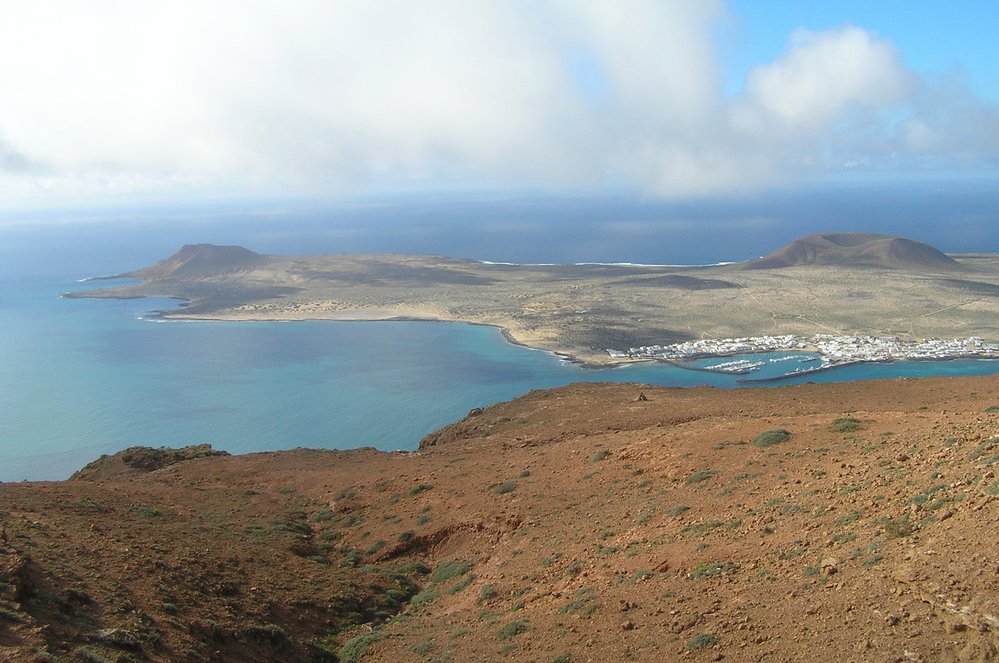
<point x="79" y="378"/>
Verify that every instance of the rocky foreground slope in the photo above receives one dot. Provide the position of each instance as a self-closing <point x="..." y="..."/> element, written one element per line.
<point x="849" y="522"/>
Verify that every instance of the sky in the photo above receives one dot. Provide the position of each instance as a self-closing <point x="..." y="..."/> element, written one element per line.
<point x="111" y="101"/>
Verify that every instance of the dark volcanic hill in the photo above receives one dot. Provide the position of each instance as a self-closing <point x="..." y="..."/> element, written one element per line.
<point x="857" y="250"/>
<point x="200" y="260"/>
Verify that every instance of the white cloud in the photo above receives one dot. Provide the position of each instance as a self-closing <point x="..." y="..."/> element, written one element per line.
<point x="823" y="75"/>
<point x="109" y="97"/>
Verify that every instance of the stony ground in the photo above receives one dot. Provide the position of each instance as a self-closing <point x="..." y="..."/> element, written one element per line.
<point x="848" y="522"/>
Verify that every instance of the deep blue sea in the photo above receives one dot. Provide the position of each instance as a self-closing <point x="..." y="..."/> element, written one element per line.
<point x="79" y="378"/>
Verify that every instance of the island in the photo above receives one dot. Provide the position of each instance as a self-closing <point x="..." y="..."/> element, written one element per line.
<point x="827" y="292"/>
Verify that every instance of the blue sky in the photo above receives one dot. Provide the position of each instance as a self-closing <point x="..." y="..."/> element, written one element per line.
<point x="673" y="99"/>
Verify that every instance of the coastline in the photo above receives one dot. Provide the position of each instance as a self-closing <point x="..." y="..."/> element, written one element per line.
<point x="512" y="332"/>
<point x="590" y="359"/>
<point x="585" y="363"/>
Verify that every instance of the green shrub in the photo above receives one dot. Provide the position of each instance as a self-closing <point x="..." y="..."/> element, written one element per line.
<point x="487" y="593"/>
<point x="677" y="510"/>
<point x="504" y="488"/>
<point x="448" y="570"/>
<point x="871" y="561"/>
<point x="846" y="425"/>
<point x="583" y="597"/>
<point x="355" y="648"/>
<point x="416" y="490"/>
<point x="146" y="511"/>
<point x="992" y="409"/>
<point x="516" y="627"/>
<point x="712" y="569"/>
<point x="551" y="559"/>
<point x="10" y="615"/>
<point x="599" y="456"/>
<point x="421" y="599"/>
<point x="771" y="437"/>
<point x="697" y="529"/>
<point x="639" y="576"/>
<point x="418" y="568"/>
<point x="897" y="528"/>
<point x="350" y="559"/>
<point x="88" y="655"/>
<point x="700" y="476"/>
<point x="851" y="517"/>
<point x="702" y="641"/>
<point x="461" y="584"/>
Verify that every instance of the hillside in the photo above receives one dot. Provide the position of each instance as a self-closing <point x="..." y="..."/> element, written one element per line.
<point x="865" y="250"/>
<point x="585" y="523"/>
<point x="195" y="261"/>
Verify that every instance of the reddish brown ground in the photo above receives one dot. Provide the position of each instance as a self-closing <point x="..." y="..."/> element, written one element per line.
<point x="551" y="528"/>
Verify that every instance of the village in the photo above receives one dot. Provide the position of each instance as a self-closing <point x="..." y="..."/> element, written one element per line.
<point x="833" y="349"/>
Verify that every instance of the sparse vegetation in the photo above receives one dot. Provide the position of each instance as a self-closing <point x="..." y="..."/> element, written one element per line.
<point x="574" y="566"/>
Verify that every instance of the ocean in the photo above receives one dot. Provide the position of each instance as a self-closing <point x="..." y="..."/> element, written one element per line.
<point x="80" y="378"/>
